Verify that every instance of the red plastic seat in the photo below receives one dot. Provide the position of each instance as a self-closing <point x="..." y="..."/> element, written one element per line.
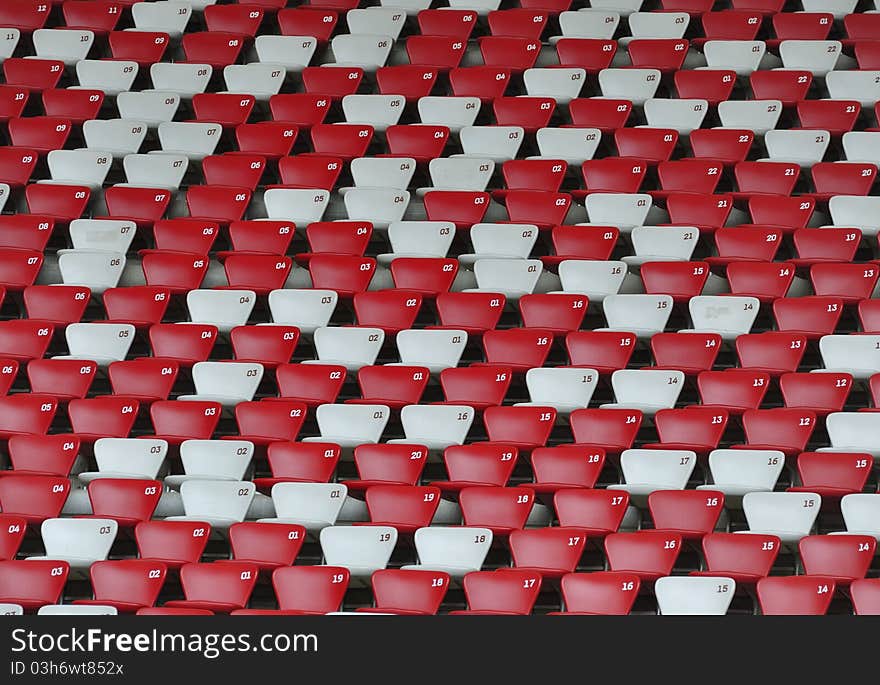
<point x="140" y="305"/>
<point x="216" y="49"/>
<point x="127" y="501"/>
<point x="736" y="390"/>
<point x="484" y="82"/>
<point x="463" y="208"/>
<point x="305" y="590"/>
<point x="98" y="16"/>
<point x="192" y="236"/>
<point x="725" y="145"/>
<point x="519" y="349"/>
<point x="242" y="19"/>
<point x="394" y="386"/>
<point x="681" y="280"/>
<point x="774" y="352"/>
<point x="319" y="22"/>
<point x="712" y="85"/>
<point x="60" y="202"/>
<point x="849" y="282"/>
<point x="835" y="116"/>
<point x="533" y="174"/>
<point x="34" y="74"/>
<point x="176" y="272"/>
<point x="12" y="530"/>
<point x="788" y="86"/>
<point x="143" y="380"/>
<point x="270" y="139"/>
<point x="258" y="272"/>
<point x="516" y="54"/>
<point x="795" y="595"/>
<point x="524" y="427"/>
<point x="651" y="145"/>
<point x="267" y="345"/>
<point x="827" y="245"/>
<point x="424" y="276"/>
<point x="310" y="171"/>
<point x="345" y="274"/>
<point x="778" y="178"/>
<point x="268" y="545"/>
<point x="422" y="143"/>
<point x="695" y="428"/>
<point x="691" y="353"/>
<point x="557" y="313"/>
<point x="731" y="25"/>
<point x="8" y="373"/>
<point x="688" y="175"/>
<point x="260" y="237"/>
<point x="329" y="83"/>
<point x="304" y="110"/>
<point x="45" y="455"/>
<point x="550" y="552"/>
<point x="435" y="52"/>
<point x="299" y="462"/>
<point x="812" y="316"/>
<point x="41" y="134"/>
<point x="474" y="313"/>
<point x="830" y="178"/>
<point x="263" y="423"/>
<point x="102" y="417"/>
<point x="690" y="513"/>
<point x="178" y="421"/>
<point x="144" y="206"/>
<point x="602" y="592"/>
<point x="126" y="584"/>
<point x="409" y="80"/>
<point x="867" y="54"/>
<point x="33" y="498"/>
<point x="505" y="591"/>
<point x="789" y="213"/>
<point x="612" y="175"/>
<point x="477" y="464"/>
<point x="168" y="611"/>
<point x="32" y="584"/>
<point x="62" y="379"/>
<point x="541" y="208"/>
<point x="519" y="22"/>
<point x="821" y="393"/>
<point x="706" y="212"/>
<point x="337" y="237"/>
<point x="605" y="351"/>
<point x="596" y="513"/>
<point x="766" y="281"/>
<point x="869" y="316"/>
<point x="390" y="310"/>
<point x="832" y="474"/>
<point x="26" y="16"/>
<point x="502" y="510"/>
<point x="801" y="26"/>
<point x="173" y="543"/>
<point x="184" y="344"/>
<point x="407" y="593"/>
<point x="591" y="54"/>
<point x="606" y="115"/>
<point x="222" y="204"/>
<point x="220" y="588"/>
<point x="405" y="507"/>
<point x="345" y="141"/>
<point x="22" y="339"/>
<point x="456" y="23"/>
<point x="650" y="554"/>
<point x="58" y="305"/>
<point x="16" y="167"/>
<point x="144" y="47"/>
<point x="665" y="54"/>
<point x="565" y="466"/>
<point x="783" y="429"/>
<point x="745" y="558"/>
<point x="227" y="109"/>
<point x="387" y="464"/>
<point x="25" y="231"/>
<point x="477" y="386"/>
<point x="745" y="243"/>
<point x="311" y="384"/>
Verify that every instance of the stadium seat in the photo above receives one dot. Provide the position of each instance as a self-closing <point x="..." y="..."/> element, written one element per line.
<point x="505" y="592"/>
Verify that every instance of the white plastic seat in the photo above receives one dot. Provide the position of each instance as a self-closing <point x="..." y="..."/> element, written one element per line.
<point x="350" y="425"/>
<point x="182" y="78"/>
<point x="77" y="610"/>
<point x="498" y="143"/>
<point x="647" y="390"/>
<point x="644" y="315"/>
<point x="150" y="106"/>
<point x="8" y="609"/>
<point x="573" y="145"/>
<point x="500" y="241"/>
<point x="363" y="550"/>
<point x="587" y="23"/>
<point x="118" y="137"/>
<point x="418" y="239"/>
<point x="225" y="309"/>
<point x="456" y="112"/>
<point x="436" y="426"/>
<point x="79" y="167"/>
<point x="434" y="349"/>
<point x="513" y="278"/>
<point x="459" y="173"/>
<point x="155" y="170"/>
<point x="380" y="206"/>
<point x="300" y="205"/>
<point x="839" y="8"/>
<point x="260" y="79"/>
<point x="862" y="146"/>
<point x="645" y="471"/>
<point x="863" y="86"/>
<point x="454" y="550"/>
<point x="393" y="173"/>
<point x="168" y="16"/>
<point x="635" y="85"/>
<point x="410" y="7"/>
<point x="622" y="7"/>
<point x="212" y="460"/>
<point x="292" y="52"/>
<point x="380" y="21"/>
<point x="481" y="7"/>
<point x="103" y="343"/>
<point x="858" y="355"/>
<point x="861" y="514"/>
<point x="593" y="278"/>
<point x="737" y="472"/>
<point x="727" y="315"/>
<point x="862" y="212"/>
<point x="853" y="432"/>
<point x="563" y="84"/>
<point x="788" y="515"/>
<point x="742" y="56"/>
<point x="368" y="51"/>
<point x="218" y="502"/>
<point x="377" y="110"/>
<point x="306" y="309"/>
<point x="312" y="505"/>
<point x="624" y="210"/>
<point x="683" y="115"/>
<point x="68" y="45"/>
<point x="805" y="147"/>
<point x="694" y="595"/>
<point x="348" y="346"/>
<point x="127" y="458"/>
<point x="4" y="195"/>
<point x="658" y="24"/>
<point x="816" y="56"/>
<point x="662" y="244"/>
<point x="226" y="382"/>
<point x="95" y="269"/>
<point x="78" y="541"/>
<point x="194" y="139"/>
<point x="111" y="76"/>
<point x="758" y="116"/>
<point x="8" y="42"/>
<point x="565" y="389"/>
